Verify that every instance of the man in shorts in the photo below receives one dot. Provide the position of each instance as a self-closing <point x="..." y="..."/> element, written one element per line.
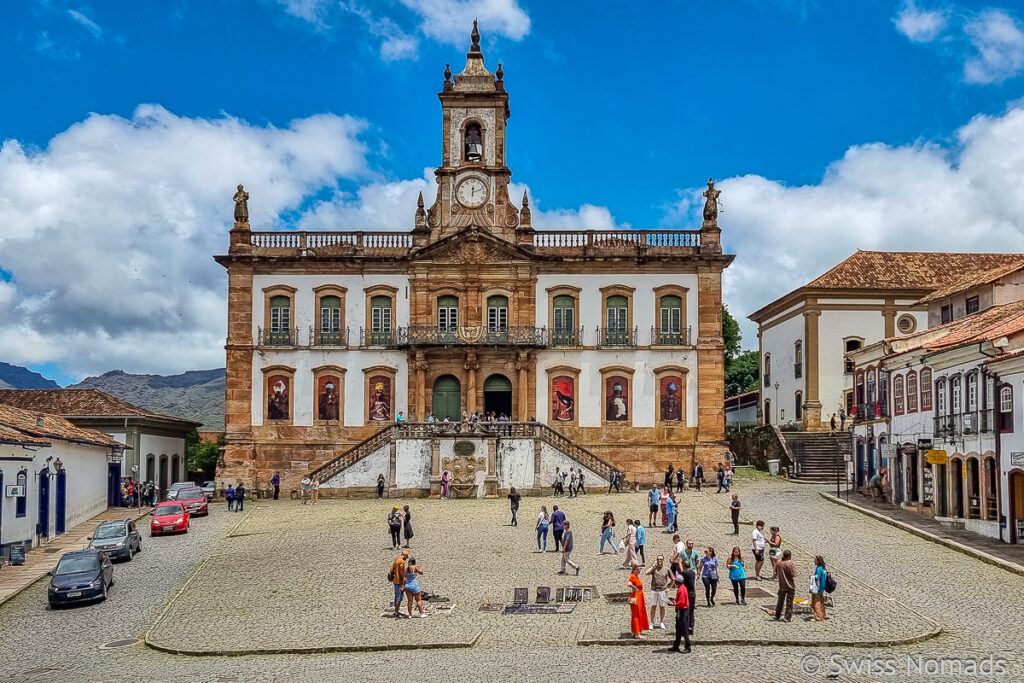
<point x="661" y="579"/>
<point x="757" y="544"/>
<point x="654" y="498"/>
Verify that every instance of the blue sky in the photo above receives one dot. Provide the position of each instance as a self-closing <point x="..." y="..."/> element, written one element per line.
<point x="808" y="112"/>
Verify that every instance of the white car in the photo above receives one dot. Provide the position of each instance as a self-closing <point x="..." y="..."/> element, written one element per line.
<point x="209" y="488"/>
<point x="172" y="493"/>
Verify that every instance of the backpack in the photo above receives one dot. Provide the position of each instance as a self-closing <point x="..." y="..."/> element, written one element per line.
<point x="830" y="582"/>
<point x="391" y="575"/>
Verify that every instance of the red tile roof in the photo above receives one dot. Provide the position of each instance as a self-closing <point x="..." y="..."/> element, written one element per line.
<point x="914" y="270"/>
<point x="974" y="280"/>
<point x="44" y="425"/>
<point x="81" y="403"/>
<point x="17" y="438"/>
<point x="988" y="325"/>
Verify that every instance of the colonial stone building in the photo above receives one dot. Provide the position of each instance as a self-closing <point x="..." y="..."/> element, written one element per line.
<point x="605" y="345"/>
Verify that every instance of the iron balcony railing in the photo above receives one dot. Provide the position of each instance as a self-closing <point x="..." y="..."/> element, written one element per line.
<point x="660" y="337"/>
<point x="287" y="337"/>
<point x="516" y="335"/>
<point x="616" y="336"/>
<point x="328" y="337"/>
<point x="563" y="337"/>
<point x="871" y="411"/>
<point x="376" y="337"/>
<point x="948" y="427"/>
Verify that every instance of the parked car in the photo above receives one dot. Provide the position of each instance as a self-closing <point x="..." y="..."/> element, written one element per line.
<point x="80" y="576"/>
<point x="169" y="518"/>
<point x="194" y="501"/>
<point x="209" y="488"/>
<point x="117" y="539"/>
<point x="172" y="493"/>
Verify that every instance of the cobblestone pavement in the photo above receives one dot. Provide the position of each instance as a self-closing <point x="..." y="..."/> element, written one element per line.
<point x="289" y="571"/>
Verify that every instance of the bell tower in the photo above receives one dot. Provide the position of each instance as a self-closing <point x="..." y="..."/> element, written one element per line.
<point x="472" y="180"/>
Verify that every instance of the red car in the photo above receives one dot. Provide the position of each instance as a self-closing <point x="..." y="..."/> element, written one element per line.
<point x="195" y="501"/>
<point x="169" y="518"/>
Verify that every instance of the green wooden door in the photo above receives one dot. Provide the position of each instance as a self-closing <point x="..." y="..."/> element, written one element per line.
<point x="447" y="398"/>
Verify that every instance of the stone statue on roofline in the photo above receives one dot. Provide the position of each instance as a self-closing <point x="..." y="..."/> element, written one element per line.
<point x="241" y="205"/>
<point x="711" y="205"/>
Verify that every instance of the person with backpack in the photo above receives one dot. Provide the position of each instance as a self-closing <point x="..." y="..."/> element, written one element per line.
<point x="229" y="496"/>
<point x="819" y="584"/>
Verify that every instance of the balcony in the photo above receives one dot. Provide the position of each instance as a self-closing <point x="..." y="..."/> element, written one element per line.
<point x="564" y="338"/>
<point x="616" y="337"/>
<point x="875" y="410"/>
<point x="469" y="335"/>
<point x="323" y="243"/>
<point x="288" y="337"/>
<point x="625" y="243"/>
<point x="660" y="337"/>
<point x="949" y="427"/>
<point x="335" y="338"/>
<point x="376" y="337"/>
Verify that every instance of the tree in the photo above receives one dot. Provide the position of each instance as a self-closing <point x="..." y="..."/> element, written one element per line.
<point x="742" y="368"/>
<point x="202" y="455"/>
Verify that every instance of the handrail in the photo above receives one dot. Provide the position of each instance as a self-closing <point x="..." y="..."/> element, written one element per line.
<point x="318" y="239"/>
<point x="333" y="467"/>
<point x="560" y="239"/>
<point x="575" y="451"/>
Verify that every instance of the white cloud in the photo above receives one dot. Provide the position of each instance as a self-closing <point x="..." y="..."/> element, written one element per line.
<point x="990" y="43"/>
<point x="962" y="196"/>
<point x="109" y="231"/>
<point x="920" y="25"/>
<point x="449" y="21"/>
<point x="78" y="17"/>
<point x="999" y="44"/>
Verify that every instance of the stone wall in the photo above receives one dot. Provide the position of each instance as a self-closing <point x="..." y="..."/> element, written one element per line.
<point x="412" y="463"/>
<point x="515" y="463"/>
<point x="364" y="472"/>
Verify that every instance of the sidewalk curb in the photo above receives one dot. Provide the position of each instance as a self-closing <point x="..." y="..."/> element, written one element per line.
<point x="999" y="562"/>
<point x="42" y="576"/>
<point x="324" y="649"/>
<point x="776" y="642"/>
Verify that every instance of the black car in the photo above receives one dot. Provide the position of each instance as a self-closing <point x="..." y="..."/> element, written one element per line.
<point x="80" y="576"/>
<point x="119" y="539"/>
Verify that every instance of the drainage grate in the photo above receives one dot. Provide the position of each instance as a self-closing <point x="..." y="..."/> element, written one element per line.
<point x="758" y="593"/>
<point x="119" y="643"/>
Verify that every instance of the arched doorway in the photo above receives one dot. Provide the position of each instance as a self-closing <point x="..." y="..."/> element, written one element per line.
<point x="498" y="396"/>
<point x="973" y="489"/>
<point x="1017" y="506"/>
<point x="447" y="400"/>
<point x="175" y="473"/>
<point x="150" y="468"/>
<point x="991" y="501"/>
<point x="163" y="477"/>
<point x="44" y="503"/>
<point x="60" y="511"/>
<point x="956" y="488"/>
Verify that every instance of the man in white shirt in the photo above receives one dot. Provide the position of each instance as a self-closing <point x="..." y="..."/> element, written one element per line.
<point x="304" y="486"/>
<point x="757" y="546"/>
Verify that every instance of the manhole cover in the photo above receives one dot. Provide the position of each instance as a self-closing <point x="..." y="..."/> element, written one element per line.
<point x="616" y="597"/>
<point x="758" y="593"/>
<point x="119" y="643"/>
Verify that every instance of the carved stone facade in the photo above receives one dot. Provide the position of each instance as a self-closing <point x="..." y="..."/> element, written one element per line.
<point x="612" y="338"/>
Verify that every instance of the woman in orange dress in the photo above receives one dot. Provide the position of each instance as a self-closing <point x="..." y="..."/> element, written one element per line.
<point x="638" y="623"/>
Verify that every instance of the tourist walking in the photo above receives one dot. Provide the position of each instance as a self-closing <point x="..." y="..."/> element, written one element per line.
<point x="240" y="497"/>
<point x="407" y="525"/>
<point x="641" y="540"/>
<point x="607" y="532"/>
<point x="314" y="490"/>
<point x="661" y="578"/>
<point x="397" y="578"/>
<point x="275" y="481"/>
<point x="629" y="543"/>
<point x="513" y="501"/>
<point x="683" y="607"/>
<point x="690" y="555"/>
<point x="557" y="485"/>
<point x="567" y="548"/>
<point x="680" y="479"/>
<point x="380" y="486"/>
<point x="668" y="477"/>
<point x="728" y="479"/>
<point x="738" y="576"/>
<point x="757" y="544"/>
<point x="818" y="582"/>
<point x="721" y="478"/>
<point x="663" y="503"/>
<point x="613" y="480"/>
<point x="774" y="547"/>
<point x="709" y="575"/>
<point x="734" y="510"/>
<point x="670" y="513"/>
<point x="395" y="527"/>
<point x="412" y="586"/>
<point x="785" y="571"/>
<point x="832" y="423"/>
<point x="698" y="476"/>
<point x="581" y="490"/>
<point x="638" y="621"/>
<point x="304" y="486"/>
<point x="572" y="482"/>
<point x="542" y="529"/>
<point x="558" y="524"/>
<point x="689" y="579"/>
<point x="653" y="496"/>
<point x="229" y="496"/>
<point x="444" y="485"/>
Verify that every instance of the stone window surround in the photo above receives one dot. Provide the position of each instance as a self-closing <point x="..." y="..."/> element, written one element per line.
<point x="387" y="371"/>
<point x="461" y="161"/>
<point x="668" y="290"/>
<point x="328" y="290"/>
<point x="496" y="290"/>
<point x="611" y="371"/>
<point x="926" y="389"/>
<point x="278" y="370"/>
<point x="617" y="290"/>
<point x="564" y="371"/>
<point x="380" y="290"/>
<point x="564" y="290"/>
<point x="1005" y="387"/>
<point x="447" y="290"/>
<point x="660" y="372"/>
<point x="913" y="392"/>
<point x="798" y="400"/>
<point x="319" y="372"/>
<point x="898" y="394"/>
<point x="278" y="290"/>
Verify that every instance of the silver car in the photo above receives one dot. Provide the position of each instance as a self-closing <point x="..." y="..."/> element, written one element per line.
<point x="117" y="539"/>
<point x="172" y="493"/>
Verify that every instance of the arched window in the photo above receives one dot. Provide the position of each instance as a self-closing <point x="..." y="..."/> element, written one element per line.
<point x="897" y="392"/>
<point x="1006" y="408"/>
<point x="872" y="397"/>
<point x="280" y="320"/>
<point x="912" y="392"/>
<point x="22" y="481"/>
<point x="954" y="389"/>
<point x="798" y="359"/>
<point x="767" y="369"/>
<point x="860" y="389"/>
<point x="564" y="320"/>
<point x="380" y="319"/>
<point x="473" y="143"/>
<point x="972" y="392"/>
<point x="849" y="346"/>
<point x="497" y="313"/>
<point x="767" y="415"/>
<point x="926" y="389"/>
<point x="671" y="314"/>
<point x="798" y="405"/>
<point x="617" y="307"/>
<point x="447" y="314"/>
<point x="940" y="393"/>
<point x="330" y="316"/>
<point x="329" y="325"/>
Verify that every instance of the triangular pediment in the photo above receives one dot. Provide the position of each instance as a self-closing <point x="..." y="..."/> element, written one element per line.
<point x="470" y="245"/>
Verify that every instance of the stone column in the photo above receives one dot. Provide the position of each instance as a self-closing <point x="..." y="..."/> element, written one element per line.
<point x="392" y="483"/>
<point x="420" y="398"/>
<point x="523" y="403"/>
<point x="471" y="366"/>
<point x="435" y="467"/>
<point x="537" y="483"/>
<point x="889" y="313"/>
<point x="812" y="402"/>
<point x="491" y="481"/>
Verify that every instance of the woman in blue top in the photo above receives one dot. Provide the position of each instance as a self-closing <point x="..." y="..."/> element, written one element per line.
<point x="818" y="589"/>
<point x="738" y="576"/>
<point x="709" y="575"/>
<point x="607" y="529"/>
<point x="412" y="586"/>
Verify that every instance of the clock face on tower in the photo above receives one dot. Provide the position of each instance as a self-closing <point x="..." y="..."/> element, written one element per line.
<point x="471" y="192"/>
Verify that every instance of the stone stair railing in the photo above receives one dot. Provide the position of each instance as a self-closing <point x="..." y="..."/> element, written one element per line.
<point x="353" y="455"/>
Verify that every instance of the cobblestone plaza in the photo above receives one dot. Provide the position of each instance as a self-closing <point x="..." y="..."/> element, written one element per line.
<point x="283" y="577"/>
